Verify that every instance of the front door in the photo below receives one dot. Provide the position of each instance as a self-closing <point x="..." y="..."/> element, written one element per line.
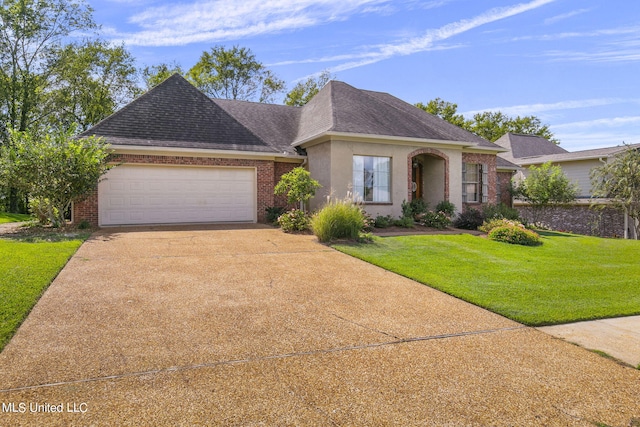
<point x="416" y="178"/>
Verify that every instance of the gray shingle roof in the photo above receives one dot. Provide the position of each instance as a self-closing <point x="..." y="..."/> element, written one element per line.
<point x="520" y="146"/>
<point x="506" y="164"/>
<point x="176" y="114"/>
<point x="576" y="155"/>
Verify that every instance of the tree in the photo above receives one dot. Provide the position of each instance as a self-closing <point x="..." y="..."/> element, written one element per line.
<point x="156" y="74"/>
<point x="91" y="81"/>
<point x="54" y="170"/>
<point x="302" y="92"/>
<point x="234" y="74"/>
<point x="619" y="181"/>
<point x="545" y="186"/>
<point x="445" y="110"/>
<point x="298" y="186"/>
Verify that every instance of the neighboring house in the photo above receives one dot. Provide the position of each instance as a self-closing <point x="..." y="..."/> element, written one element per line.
<point x="185" y="158"/>
<point x="578" y="217"/>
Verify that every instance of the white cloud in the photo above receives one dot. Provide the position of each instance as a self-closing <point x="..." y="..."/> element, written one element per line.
<point x="574" y="141"/>
<point x="212" y="20"/>
<point x="564" y="16"/>
<point x="533" y="109"/>
<point x="608" y="122"/>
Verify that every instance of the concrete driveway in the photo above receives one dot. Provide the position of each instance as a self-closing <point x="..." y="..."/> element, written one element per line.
<point x="250" y="326"/>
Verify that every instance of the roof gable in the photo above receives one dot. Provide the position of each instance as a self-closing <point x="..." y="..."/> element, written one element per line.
<point x="176" y="114"/>
<point x="520" y="145"/>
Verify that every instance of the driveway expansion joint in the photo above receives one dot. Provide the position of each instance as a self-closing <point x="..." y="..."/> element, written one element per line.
<point x="173" y="369"/>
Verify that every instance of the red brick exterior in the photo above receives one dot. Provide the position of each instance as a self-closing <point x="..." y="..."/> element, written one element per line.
<point x="268" y="174"/>
<point x="431" y="152"/>
<point x="490" y="161"/>
<point x="504" y="188"/>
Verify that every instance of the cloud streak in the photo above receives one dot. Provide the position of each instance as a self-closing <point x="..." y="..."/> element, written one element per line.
<point x="564" y="16"/>
<point x="532" y="109"/>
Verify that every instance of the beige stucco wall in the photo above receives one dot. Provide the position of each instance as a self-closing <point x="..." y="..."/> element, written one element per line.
<point x="331" y="163"/>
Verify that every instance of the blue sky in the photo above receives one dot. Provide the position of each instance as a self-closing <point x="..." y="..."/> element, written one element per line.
<point x="573" y="63"/>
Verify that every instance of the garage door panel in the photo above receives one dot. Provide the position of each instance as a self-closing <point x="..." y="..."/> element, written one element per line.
<point x="142" y="194"/>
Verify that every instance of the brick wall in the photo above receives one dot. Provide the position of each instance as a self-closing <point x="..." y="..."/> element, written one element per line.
<point x="504" y="187"/>
<point x="268" y="173"/>
<point x="490" y="161"/>
<point x="578" y="219"/>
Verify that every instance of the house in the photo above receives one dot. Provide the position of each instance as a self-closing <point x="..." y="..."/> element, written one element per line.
<point x="531" y="150"/>
<point x="185" y="158"/>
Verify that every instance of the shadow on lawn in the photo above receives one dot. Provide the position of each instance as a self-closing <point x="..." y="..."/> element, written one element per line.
<point x="556" y="234"/>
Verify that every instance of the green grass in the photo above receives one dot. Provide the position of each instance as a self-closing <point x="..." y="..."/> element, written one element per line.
<point x="9" y="217"/>
<point x="569" y="278"/>
<point x="28" y="267"/>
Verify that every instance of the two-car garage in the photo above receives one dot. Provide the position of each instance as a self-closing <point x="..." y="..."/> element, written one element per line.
<point x="161" y="194"/>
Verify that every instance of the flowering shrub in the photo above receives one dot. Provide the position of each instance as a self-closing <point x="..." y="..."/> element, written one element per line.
<point x="469" y="219"/>
<point x="489" y="225"/>
<point x="435" y="219"/>
<point x="515" y="235"/>
<point x="294" y="220"/>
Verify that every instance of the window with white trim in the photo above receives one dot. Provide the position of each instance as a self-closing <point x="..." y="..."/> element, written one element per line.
<point x="372" y="179"/>
<point x="475" y="182"/>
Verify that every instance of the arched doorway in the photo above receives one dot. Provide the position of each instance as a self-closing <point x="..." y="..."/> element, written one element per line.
<point x="429" y="177"/>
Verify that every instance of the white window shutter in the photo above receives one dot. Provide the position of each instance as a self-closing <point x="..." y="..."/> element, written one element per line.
<point x="485" y="183"/>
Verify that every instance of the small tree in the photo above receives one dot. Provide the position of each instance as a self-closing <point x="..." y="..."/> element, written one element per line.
<point x="619" y="181"/>
<point x="545" y="186"/>
<point x="53" y="170"/>
<point x="298" y="186"/>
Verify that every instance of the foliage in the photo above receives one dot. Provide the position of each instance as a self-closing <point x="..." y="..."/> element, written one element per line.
<point x="294" y="220"/>
<point x="447" y="207"/>
<point x="155" y="74"/>
<point x="56" y="169"/>
<point x="234" y="74"/>
<point x="546" y="185"/>
<point x="404" y="221"/>
<point x="369" y="222"/>
<point x="515" y="235"/>
<point x="43" y="210"/>
<point x="490" y="211"/>
<point x="273" y="212"/>
<point x="435" y="219"/>
<point x="414" y="208"/>
<point x="338" y="219"/>
<point x="491" y="223"/>
<point x="489" y="125"/>
<point x="567" y="279"/>
<point x="383" y="221"/>
<point x="619" y="181"/>
<point x="297" y="185"/>
<point x="302" y="92"/>
<point x="27" y="269"/>
<point x="469" y="219"/>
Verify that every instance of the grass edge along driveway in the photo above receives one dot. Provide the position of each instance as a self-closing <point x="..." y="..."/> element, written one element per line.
<point x="567" y="279"/>
<point x="28" y="266"/>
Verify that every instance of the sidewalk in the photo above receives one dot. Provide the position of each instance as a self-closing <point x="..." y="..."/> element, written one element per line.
<point x="619" y="337"/>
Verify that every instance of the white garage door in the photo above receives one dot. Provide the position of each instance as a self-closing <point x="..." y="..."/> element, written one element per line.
<point x="144" y="194"/>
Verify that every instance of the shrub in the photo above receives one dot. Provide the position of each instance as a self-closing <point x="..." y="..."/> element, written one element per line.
<point x="414" y="208"/>
<point x="294" y="220"/>
<point x="515" y="235"/>
<point x="369" y="222"/>
<point x="447" y="207"/>
<point x="435" y="219"/>
<point x="338" y="219"/>
<point x="490" y="224"/>
<point x="383" y="221"/>
<point x="501" y="210"/>
<point x="469" y="219"/>
<point x="405" y="221"/>
<point x="273" y="213"/>
<point x="42" y="210"/>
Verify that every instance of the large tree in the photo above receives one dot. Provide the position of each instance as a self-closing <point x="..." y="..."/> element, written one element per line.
<point x="490" y="125"/>
<point x="234" y="74"/>
<point x="619" y="181"/>
<point x="302" y="92"/>
<point x="153" y="75"/>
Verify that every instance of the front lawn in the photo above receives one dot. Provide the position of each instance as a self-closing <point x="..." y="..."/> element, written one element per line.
<point x="28" y="267"/>
<point x="10" y="217"/>
<point x="567" y="279"/>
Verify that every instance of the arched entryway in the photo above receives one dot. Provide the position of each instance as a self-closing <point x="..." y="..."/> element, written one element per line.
<point x="428" y="176"/>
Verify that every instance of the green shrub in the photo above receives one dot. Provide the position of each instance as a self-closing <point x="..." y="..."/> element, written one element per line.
<point x="515" y="235"/>
<point x="42" y="210"/>
<point x="369" y="222"/>
<point x="490" y="224"/>
<point x="501" y="210"/>
<point x="294" y="220"/>
<point x="435" y="219"/>
<point x="447" y="207"/>
<point x="383" y="221"/>
<point x="273" y="213"/>
<point x="84" y="225"/>
<point x="414" y="208"/>
<point x="405" y="222"/>
<point x="469" y="219"/>
<point x="340" y="219"/>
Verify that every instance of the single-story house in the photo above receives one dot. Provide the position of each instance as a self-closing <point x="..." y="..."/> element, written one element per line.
<point x="183" y="157"/>
<point x="531" y="150"/>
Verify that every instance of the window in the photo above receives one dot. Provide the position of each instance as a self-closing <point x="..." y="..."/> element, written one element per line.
<point x="372" y="179"/>
<point x="475" y="182"/>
